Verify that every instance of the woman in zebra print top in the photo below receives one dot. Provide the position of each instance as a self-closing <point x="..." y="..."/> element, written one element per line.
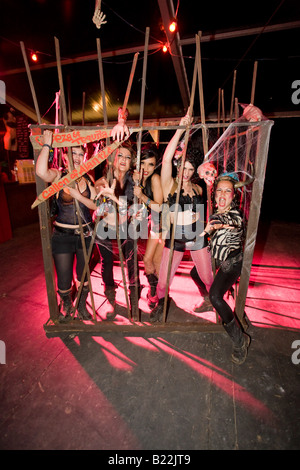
<point x="226" y="231"/>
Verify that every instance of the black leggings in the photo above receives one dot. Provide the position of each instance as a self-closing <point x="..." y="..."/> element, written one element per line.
<point x="222" y="283"/>
<point x="106" y="253"/>
<point x="64" y="250"/>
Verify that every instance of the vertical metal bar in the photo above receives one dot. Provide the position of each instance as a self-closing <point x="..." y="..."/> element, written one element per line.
<point x="44" y="214"/>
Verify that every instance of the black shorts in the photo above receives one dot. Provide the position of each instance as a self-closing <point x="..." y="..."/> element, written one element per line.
<point x="63" y="242"/>
<point x="186" y="238"/>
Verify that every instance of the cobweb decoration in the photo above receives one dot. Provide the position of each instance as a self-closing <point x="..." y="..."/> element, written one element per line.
<point x="235" y="153"/>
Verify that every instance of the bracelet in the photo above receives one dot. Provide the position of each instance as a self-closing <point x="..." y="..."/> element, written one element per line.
<point x="148" y="202"/>
<point x="46" y="145"/>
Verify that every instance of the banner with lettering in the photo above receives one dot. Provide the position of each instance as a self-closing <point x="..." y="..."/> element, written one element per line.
<point x="72" y="138"/>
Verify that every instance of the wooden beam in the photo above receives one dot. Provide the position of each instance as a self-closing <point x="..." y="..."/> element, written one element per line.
<point x="217" y="36"/>
<point x="137" y="328"/>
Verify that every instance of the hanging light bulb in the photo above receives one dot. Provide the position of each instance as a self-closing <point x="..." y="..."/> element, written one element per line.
<point x="34" y="57"/>
<point x="165" y="48"/>
<point x="173" y="26"/>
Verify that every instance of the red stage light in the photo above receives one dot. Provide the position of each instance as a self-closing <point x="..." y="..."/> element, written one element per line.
<point x="34" y="57"/>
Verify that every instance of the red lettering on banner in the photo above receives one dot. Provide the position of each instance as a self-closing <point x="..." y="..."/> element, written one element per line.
<point x="51" y="191"/>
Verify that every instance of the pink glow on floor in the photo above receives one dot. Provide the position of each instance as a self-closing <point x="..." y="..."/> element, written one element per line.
<point x="218" y="379"/>
<point x="116" y="359"/>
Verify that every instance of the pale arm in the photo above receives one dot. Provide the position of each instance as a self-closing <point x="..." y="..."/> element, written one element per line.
<point x="42" y="169"/>
<point x="166" y="169"/>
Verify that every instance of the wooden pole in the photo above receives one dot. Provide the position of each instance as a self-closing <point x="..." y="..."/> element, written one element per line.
<point x="223" y="109"/>
<point x="69" y="99"/>
<point x="101" y="76"/>
<point x="44" y="214"/>
<point x="236" y="115"/>
<point x="253" y="82"/>
<point x="65" y="121"/>
<point x="186" y="139"/>
<point x="133" y="67"/>
<point x="232" y="96"/>
<point x="35" y="102"/>
<point x="136" y="314"/>
<point x="219" y="111"/>
<point x="201" y="93"/>
<point x="83" y="107"/>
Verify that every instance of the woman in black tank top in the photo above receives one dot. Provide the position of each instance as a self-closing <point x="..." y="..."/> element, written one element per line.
<point x="66" y="239"/>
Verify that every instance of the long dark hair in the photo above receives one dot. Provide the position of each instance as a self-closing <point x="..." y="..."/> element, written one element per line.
<point x="150" y="151"/>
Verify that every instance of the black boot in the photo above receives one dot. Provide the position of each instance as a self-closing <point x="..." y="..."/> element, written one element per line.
<point x="110" y="294"/>
<point x="83" y="313"/>
<point x="206" y="306"/>
<point x="151" y="295"/>
<point x="158" y="312"/>
<point x="240" y="341"/>
<point x="65" y="306"/>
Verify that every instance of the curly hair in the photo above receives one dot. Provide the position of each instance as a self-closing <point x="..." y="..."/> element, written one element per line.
<point x="193" y="156"/>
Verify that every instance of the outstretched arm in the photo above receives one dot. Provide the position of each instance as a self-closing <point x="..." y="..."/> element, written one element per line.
<point x="166" y="169"/>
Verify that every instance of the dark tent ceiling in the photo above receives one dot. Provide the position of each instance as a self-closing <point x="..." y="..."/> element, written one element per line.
<point x="234" y="35"/>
